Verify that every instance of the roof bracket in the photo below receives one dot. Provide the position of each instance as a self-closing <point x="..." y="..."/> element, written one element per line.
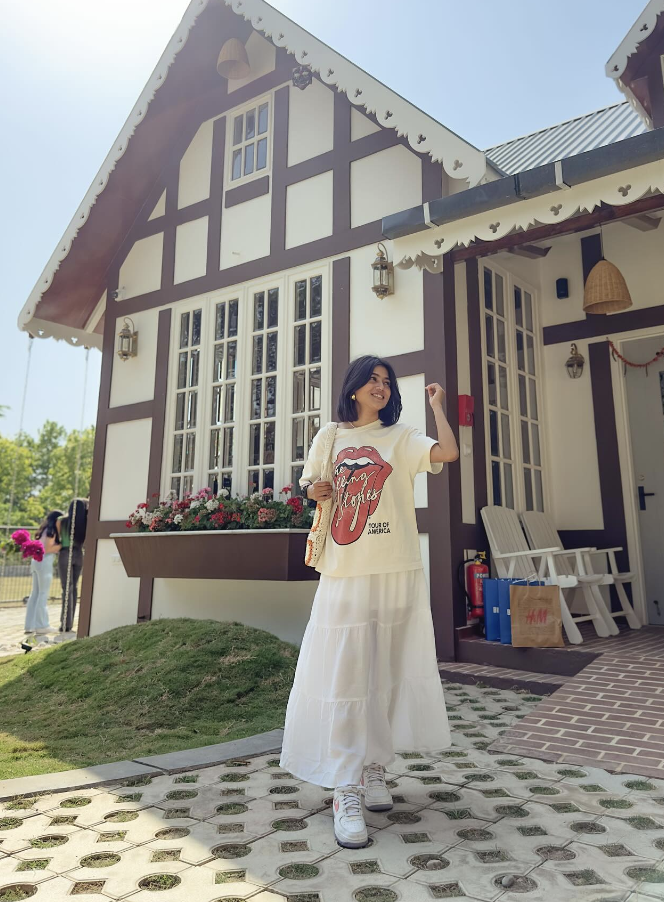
<point x="427" y="216"/>
<point x="558" y="172"/>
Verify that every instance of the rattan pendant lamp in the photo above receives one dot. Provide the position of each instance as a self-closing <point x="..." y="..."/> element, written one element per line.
<point x="233" y="62"/>
<point x="606" y="290"/>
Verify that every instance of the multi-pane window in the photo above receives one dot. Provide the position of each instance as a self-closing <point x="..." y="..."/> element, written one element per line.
<point x="263" y="394"/>
<point x="223" y="399"/>
<point x="306" y="369"/>
<point x="186" y="402"/>
<point x="531" y="455"/>
<point x="249" y="141"/>
<point x="498" y="390"/>
<point x="512" y="403"/>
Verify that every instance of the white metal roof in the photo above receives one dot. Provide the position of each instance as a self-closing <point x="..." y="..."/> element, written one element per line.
<point x="613" y="123"/>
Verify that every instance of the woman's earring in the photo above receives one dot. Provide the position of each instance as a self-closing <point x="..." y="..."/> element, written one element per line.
<point x="352" y="397"/>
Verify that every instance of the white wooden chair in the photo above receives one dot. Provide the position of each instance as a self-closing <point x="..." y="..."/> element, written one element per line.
<point x="540" y="531"/>
<point x="514" y="558"/>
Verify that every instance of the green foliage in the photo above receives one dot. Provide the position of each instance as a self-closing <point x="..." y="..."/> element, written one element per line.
<point x="38" y="475"/>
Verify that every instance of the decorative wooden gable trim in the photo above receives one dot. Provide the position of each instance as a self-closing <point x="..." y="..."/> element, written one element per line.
<point x="424" y="135"/>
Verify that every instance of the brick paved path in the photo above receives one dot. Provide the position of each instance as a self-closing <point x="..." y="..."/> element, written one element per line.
<point x="463" y="820"/>
<point x="611" y="714"/>
<point x="12" y="621"/>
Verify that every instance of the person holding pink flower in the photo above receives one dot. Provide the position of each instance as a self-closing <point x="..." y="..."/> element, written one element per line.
<point x="41" y="569"/>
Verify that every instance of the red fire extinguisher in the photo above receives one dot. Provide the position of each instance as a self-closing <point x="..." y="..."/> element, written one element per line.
<point x="475" y="574"/>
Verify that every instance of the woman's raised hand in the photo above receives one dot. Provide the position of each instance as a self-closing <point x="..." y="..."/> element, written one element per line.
<point x="436" y="393"/>
<point x="320" y="491"/>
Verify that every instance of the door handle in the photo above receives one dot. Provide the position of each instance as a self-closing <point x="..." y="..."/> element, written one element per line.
<point x="642" y="497"/>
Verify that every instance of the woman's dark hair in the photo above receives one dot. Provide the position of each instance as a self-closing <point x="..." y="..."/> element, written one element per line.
<point x="81" y="522"/>
<point x="48" y="525"/>
<point x="358" y="374"/>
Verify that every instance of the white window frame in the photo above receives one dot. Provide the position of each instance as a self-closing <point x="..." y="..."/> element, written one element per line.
<point x="231" y="116"/>
<point x="285" y="282"/>
<point x="511" y="281"/>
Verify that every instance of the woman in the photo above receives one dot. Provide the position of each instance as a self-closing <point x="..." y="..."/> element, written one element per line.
<point x="72" y="549"/>
<point x="36" y="613"/>
<point x="367" y="679"/>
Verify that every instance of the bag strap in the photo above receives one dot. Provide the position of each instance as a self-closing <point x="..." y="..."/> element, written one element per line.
<point x="326" y="472"/>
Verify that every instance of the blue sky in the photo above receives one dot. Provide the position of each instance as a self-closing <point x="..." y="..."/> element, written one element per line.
<point x="72" y="71"/>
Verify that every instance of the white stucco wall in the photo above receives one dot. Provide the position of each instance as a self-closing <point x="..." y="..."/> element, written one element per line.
<point x="245" y="231"/>
<point x="141" y="270"/>
<point x="392" y="326"/>
<point x="160" y="208"/>
<point x="413" y="398"/>
<point x="125" y="479"/>
<point x="281" y="608"/>
<point x="133" y="380"/>
<point x="384" y="183"/>
<point x="310" y="122"/>
<point x="360" y="125"/>
<point x="195" y="168"/>
<point x="114" y="594"/>
<point x="191" y="250"/>
<point x="309" y="209"/>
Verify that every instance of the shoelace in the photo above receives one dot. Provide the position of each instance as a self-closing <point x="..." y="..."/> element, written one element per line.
<point x="350" y="802"/>
<point x="374" y="775"/>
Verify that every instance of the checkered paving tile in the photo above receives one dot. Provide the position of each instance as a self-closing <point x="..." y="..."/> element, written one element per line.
<point x="468" y="823"/>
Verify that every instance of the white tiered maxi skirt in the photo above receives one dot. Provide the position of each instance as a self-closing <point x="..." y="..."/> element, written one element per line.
<point x="367" y="681"/>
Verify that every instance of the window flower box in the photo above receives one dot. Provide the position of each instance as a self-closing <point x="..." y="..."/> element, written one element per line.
<point x="252" y="554"/>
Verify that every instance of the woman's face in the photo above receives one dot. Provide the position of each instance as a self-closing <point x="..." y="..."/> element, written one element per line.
<point x="376" y="393"/>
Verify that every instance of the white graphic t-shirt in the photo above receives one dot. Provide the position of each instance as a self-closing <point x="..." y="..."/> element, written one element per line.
<point x="374" y="528"/>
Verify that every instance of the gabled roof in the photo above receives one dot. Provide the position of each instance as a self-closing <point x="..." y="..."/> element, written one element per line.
<point x="626" y="64"/>
<point x="605" y="126"/>
<point x="65" y="301"/>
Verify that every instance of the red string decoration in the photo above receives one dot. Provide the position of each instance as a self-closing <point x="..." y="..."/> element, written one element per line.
<point x="615" y="353"/>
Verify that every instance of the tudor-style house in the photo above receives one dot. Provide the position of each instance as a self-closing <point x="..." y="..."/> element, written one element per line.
<point x="235" y="222"/>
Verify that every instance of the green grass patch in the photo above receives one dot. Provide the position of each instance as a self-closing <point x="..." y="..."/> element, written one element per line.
<point x="299" y="871"/>
<point x="572" y="773"/>
<point x="16" y="892"/>
<point x="187" y="778"/>
<point x="643" y="785"/>
<point x="34" y="864"/>
<point x="140" y="690"/>
<point x="159" y="882"/>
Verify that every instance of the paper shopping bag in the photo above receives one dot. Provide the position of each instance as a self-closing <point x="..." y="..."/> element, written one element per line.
<point x="536" y="617"/>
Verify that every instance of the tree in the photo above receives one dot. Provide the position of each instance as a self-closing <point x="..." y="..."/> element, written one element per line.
<point x="16" y="466"/>
<point x="50" y="437"/>
<point x="61" y="485"/>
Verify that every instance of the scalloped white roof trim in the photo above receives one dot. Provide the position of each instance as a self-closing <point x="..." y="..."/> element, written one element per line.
<point x="459" y="158"/>
<point x="637" y="34"/>
<point x="617" y="190"/>
<point x="26" y="319"/>
<point x="426" y="135"/>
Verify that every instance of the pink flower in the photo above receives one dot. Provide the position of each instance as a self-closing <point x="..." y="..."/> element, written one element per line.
<point x="265" y="515"/>
<point x="21" y="536"/>
<point x="267" y="492"/>
<point x="34" y="550"/>
<point x="196" y="519"/>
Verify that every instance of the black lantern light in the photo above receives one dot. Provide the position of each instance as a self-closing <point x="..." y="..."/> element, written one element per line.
<point x="302" y="77"/>
<point x="127" y="340"/>
<point x="383" y="274"/>
<point x="575" y="363"/>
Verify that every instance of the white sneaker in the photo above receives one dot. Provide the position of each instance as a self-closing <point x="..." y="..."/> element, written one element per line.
<point x="377" y="796"/>
<point x="349" y="827"/>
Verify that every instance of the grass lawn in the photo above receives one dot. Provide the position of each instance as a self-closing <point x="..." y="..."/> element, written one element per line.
<point x="140" y="690"/>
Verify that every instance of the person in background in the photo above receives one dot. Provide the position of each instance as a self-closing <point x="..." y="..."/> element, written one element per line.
<point x="36" y="612"/>
<point x="72" y="550"/>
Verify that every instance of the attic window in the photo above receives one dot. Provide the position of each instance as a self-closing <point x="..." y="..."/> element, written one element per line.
<point x="249" y="142"/>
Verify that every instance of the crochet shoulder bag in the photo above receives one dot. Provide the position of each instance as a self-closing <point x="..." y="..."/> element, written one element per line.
<point x="323" y="514"/>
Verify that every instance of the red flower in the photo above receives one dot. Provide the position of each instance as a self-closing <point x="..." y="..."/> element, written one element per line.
<point x="128" y="524"/>
<point x="196" y="518"/>
<point x="141" y="506"/>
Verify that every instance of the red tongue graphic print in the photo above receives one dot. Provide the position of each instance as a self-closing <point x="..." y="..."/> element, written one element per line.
<point x="359" y="477"/>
